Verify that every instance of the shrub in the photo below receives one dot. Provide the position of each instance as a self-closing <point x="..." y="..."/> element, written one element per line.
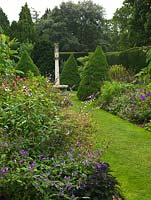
<point x="26" y="46"/>
<point x="109" y="90"/>
<point x="6" y="57"/>
<point x="69" y="75"/>
<point x="136" y="107"/>
<point x="27" y="65"/>
<point x="119" y="73"/>
<point x="46" y="151"/>
<point x="83" y="62"/>
<point x="144" y="76"/>
<point x="95" y="73"/>
<point x="127" y="101"/>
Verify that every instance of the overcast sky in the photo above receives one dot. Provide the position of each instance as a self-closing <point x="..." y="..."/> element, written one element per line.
<point x="13" y="7"/>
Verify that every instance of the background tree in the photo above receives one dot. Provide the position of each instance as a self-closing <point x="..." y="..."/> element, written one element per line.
<point x="121" y="24"/>
<point x="4" y="23"/>
<point x="95" y="73"/>
<point x="69" y="75"/>
<point x="133" y="21"/>
<point x="14" y="30"/>
<point x="43" y="57"/>
<point x="35" y="15"/>
<point x="25" y="26"/>
<point x="79" y="27"/>
<point x="140" y="23"/>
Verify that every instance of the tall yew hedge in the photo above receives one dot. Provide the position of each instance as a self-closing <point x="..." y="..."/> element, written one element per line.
<point x="95" y="73"/>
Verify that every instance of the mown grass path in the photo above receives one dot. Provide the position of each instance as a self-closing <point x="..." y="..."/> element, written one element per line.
<point x="128" y="152"/>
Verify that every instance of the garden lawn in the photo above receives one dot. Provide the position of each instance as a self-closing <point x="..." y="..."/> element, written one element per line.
<point x="127" y="148"/>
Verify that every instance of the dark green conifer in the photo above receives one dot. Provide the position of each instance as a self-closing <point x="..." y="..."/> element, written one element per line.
<point x="4" y="23"/>
<point x="70" y="75"/>
<point x="95" y="73"/>
<point x="26" y="29"/>
<point x="27" y="65"/>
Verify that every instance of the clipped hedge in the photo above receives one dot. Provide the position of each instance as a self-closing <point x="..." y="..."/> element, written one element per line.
<point x="113" y="58"/>
<point x="133" y="59"/>
<point x="70" y="75"/>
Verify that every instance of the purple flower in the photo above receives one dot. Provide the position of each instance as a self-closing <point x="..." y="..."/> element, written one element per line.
<point x="68" y="186"/>
<point x="148" y="95"/>
<point x="4" y="170"/>
<point x="5" y="144"/>
<point x="132" y="99"/>
<point x="132" y="108"/>
<point x="142" y="97"/>
<point x="67" y="177"/>
<point x="102" y="166"/>
<point x="73" y="196"/>
<point x="23" y="153"/>
<point x="31" y="166"/>
<point x="86" y="161"/>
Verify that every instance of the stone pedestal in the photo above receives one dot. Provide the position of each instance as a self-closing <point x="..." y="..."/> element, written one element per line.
<point x="57" y="77"/>
<point x="56" y="54"/>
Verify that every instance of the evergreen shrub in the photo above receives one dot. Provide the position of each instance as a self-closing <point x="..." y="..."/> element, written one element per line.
<point x="95" y="73"/>
<point x="27" y="65"/>
<point x="70" y="75"/>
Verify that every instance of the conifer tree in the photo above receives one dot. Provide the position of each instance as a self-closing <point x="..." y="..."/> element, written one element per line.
<point x="4" y="23"/>
<point x="26" y="29"/>
<point x="70" y="75"/>
<point x="95" y="73"/>
<point x="27" y="65"/>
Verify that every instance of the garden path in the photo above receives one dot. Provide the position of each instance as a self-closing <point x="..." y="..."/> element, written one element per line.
<point x="127" y="148"/>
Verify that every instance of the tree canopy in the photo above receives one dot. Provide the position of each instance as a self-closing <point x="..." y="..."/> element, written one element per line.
<point x="133" y="22"/>
<point x="79" y="27"/>
<point x="24" y="29"/>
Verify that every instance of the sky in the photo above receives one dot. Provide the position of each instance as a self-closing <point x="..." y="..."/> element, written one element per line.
<point x="13" y="7"/>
